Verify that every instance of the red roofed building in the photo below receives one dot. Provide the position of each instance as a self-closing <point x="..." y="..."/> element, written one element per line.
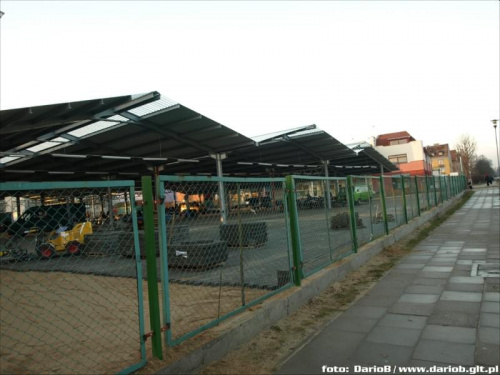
<point x="408" y="154"/>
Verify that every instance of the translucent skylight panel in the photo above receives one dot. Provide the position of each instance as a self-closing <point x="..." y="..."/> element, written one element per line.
<point x="92" y="128"/>
<point x="8" y="159"/>
<point x="59" y="140"/>
<point x="118" y="118"/>
<point x="43" y="146"/>
<point x="152" y="107"/>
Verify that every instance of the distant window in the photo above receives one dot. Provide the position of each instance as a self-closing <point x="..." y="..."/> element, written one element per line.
<point x="398" y="159"/>
<point x="397" y="142"/>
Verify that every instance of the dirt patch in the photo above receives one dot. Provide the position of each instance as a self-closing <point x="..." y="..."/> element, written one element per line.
<point x="57" y="322"/>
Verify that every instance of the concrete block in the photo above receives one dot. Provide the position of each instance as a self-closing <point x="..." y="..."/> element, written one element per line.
<point x="453" y="318"/>
<point x="394" y="336"/>
<point x="403" y="321"/>
<point x="446" y="352"/>
<point x="459" y="335"/>
<point x="461" y="296"/>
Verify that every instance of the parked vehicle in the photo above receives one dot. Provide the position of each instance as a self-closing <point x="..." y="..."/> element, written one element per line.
<point x="47" y="218"/>
<point x="362" y="193"/>
<point x="257" y="203"/>
<point x="310" y="202"/>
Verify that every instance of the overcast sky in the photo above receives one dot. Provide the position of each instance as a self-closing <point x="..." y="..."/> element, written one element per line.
<point x="355" y="69"/>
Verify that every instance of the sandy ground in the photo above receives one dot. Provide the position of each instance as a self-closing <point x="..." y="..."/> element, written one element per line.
<point x="63" y="323"/>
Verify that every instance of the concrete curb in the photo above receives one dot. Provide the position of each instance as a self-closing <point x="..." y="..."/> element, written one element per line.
<point x="241" y="328"/>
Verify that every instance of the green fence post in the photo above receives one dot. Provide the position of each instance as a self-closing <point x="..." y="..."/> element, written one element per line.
<point x="294" y="230"/>
<point x="384" y="208"/>
<point x="149" y="232"/>
<point x="405" y="208"/>
<point x="352" y="214"/>
<point x="418" y="195"/>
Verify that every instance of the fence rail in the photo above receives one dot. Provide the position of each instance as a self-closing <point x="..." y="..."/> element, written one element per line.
<point x="75" y="258"/>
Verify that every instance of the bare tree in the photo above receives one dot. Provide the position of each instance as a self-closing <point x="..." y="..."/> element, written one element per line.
<point x="466" y="150"/>
<point x="482" y="167"/>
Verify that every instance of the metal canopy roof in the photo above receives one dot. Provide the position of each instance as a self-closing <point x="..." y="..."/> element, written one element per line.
<point x="368" y="154"/>
<point x="125" y="140"/>
<point x="129" y="135"/>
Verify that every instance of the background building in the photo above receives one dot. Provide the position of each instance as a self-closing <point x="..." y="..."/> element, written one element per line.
<point x="405" y="152"/>
<point x="441" y="159"/>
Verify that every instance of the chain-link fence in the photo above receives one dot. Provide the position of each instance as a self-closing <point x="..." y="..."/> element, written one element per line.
<point x="70" y="301"/>
<point x="423" y="197"/>
<point x="394" y="201"/>
<point x="323" y="220"/>
<point x="227" y="248"/>
<point x="368" y="208"/>
<point x="71" y="256"/>
<point x="411" y="197"/>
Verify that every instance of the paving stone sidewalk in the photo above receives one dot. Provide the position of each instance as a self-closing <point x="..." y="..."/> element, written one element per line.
<point x="428" y="310"/>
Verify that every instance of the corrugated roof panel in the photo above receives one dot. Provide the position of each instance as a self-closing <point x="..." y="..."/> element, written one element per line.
<point x="156" y="106"/>
<point x="59" y="140"/>
<point x="8" y="159"/>
<point x="43" y="146"/>
<point x="300" y="130"/>
<point x="92" y="128"/>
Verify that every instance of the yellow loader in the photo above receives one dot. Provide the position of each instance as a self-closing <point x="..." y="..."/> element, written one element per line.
<point x="63" y="241"/>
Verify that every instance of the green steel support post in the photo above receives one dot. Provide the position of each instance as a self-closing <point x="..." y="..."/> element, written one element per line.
<point x="405" y="208"/>
<point x="149" y="232"/>
<point x="294" y="231"/>
<point x="384" y="208"/>
<point x="352" y="214"/>
<point x="418" y="195"/>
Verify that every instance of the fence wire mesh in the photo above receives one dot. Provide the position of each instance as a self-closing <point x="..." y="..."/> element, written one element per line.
<point x="69" y="297"/>
<point x="422" y="193"/>
<point x="394" y="201"/>
<point x="411" y="197"/>
<point x="227" y="247"/>
<point x="323" y="219"/>
<point x="368" y="209"/>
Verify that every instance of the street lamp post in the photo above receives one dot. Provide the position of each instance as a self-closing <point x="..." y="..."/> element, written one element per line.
<point x="496" y="142"/>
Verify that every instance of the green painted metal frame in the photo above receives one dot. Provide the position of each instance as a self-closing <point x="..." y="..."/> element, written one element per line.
<point x="294" y="204"/>
<point x="23" y="186"/>
<point x="298" y="274"/>
<point x="435" y="191"/>
<point x="164" y="274"/>
<point x="352" y="217"/>
<point x="417" y="193"/>
<point x="160" y="180"/>
<point x="384" y="207"/>
<point x="149" y="234"/>
<point x="405" y="207"/>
